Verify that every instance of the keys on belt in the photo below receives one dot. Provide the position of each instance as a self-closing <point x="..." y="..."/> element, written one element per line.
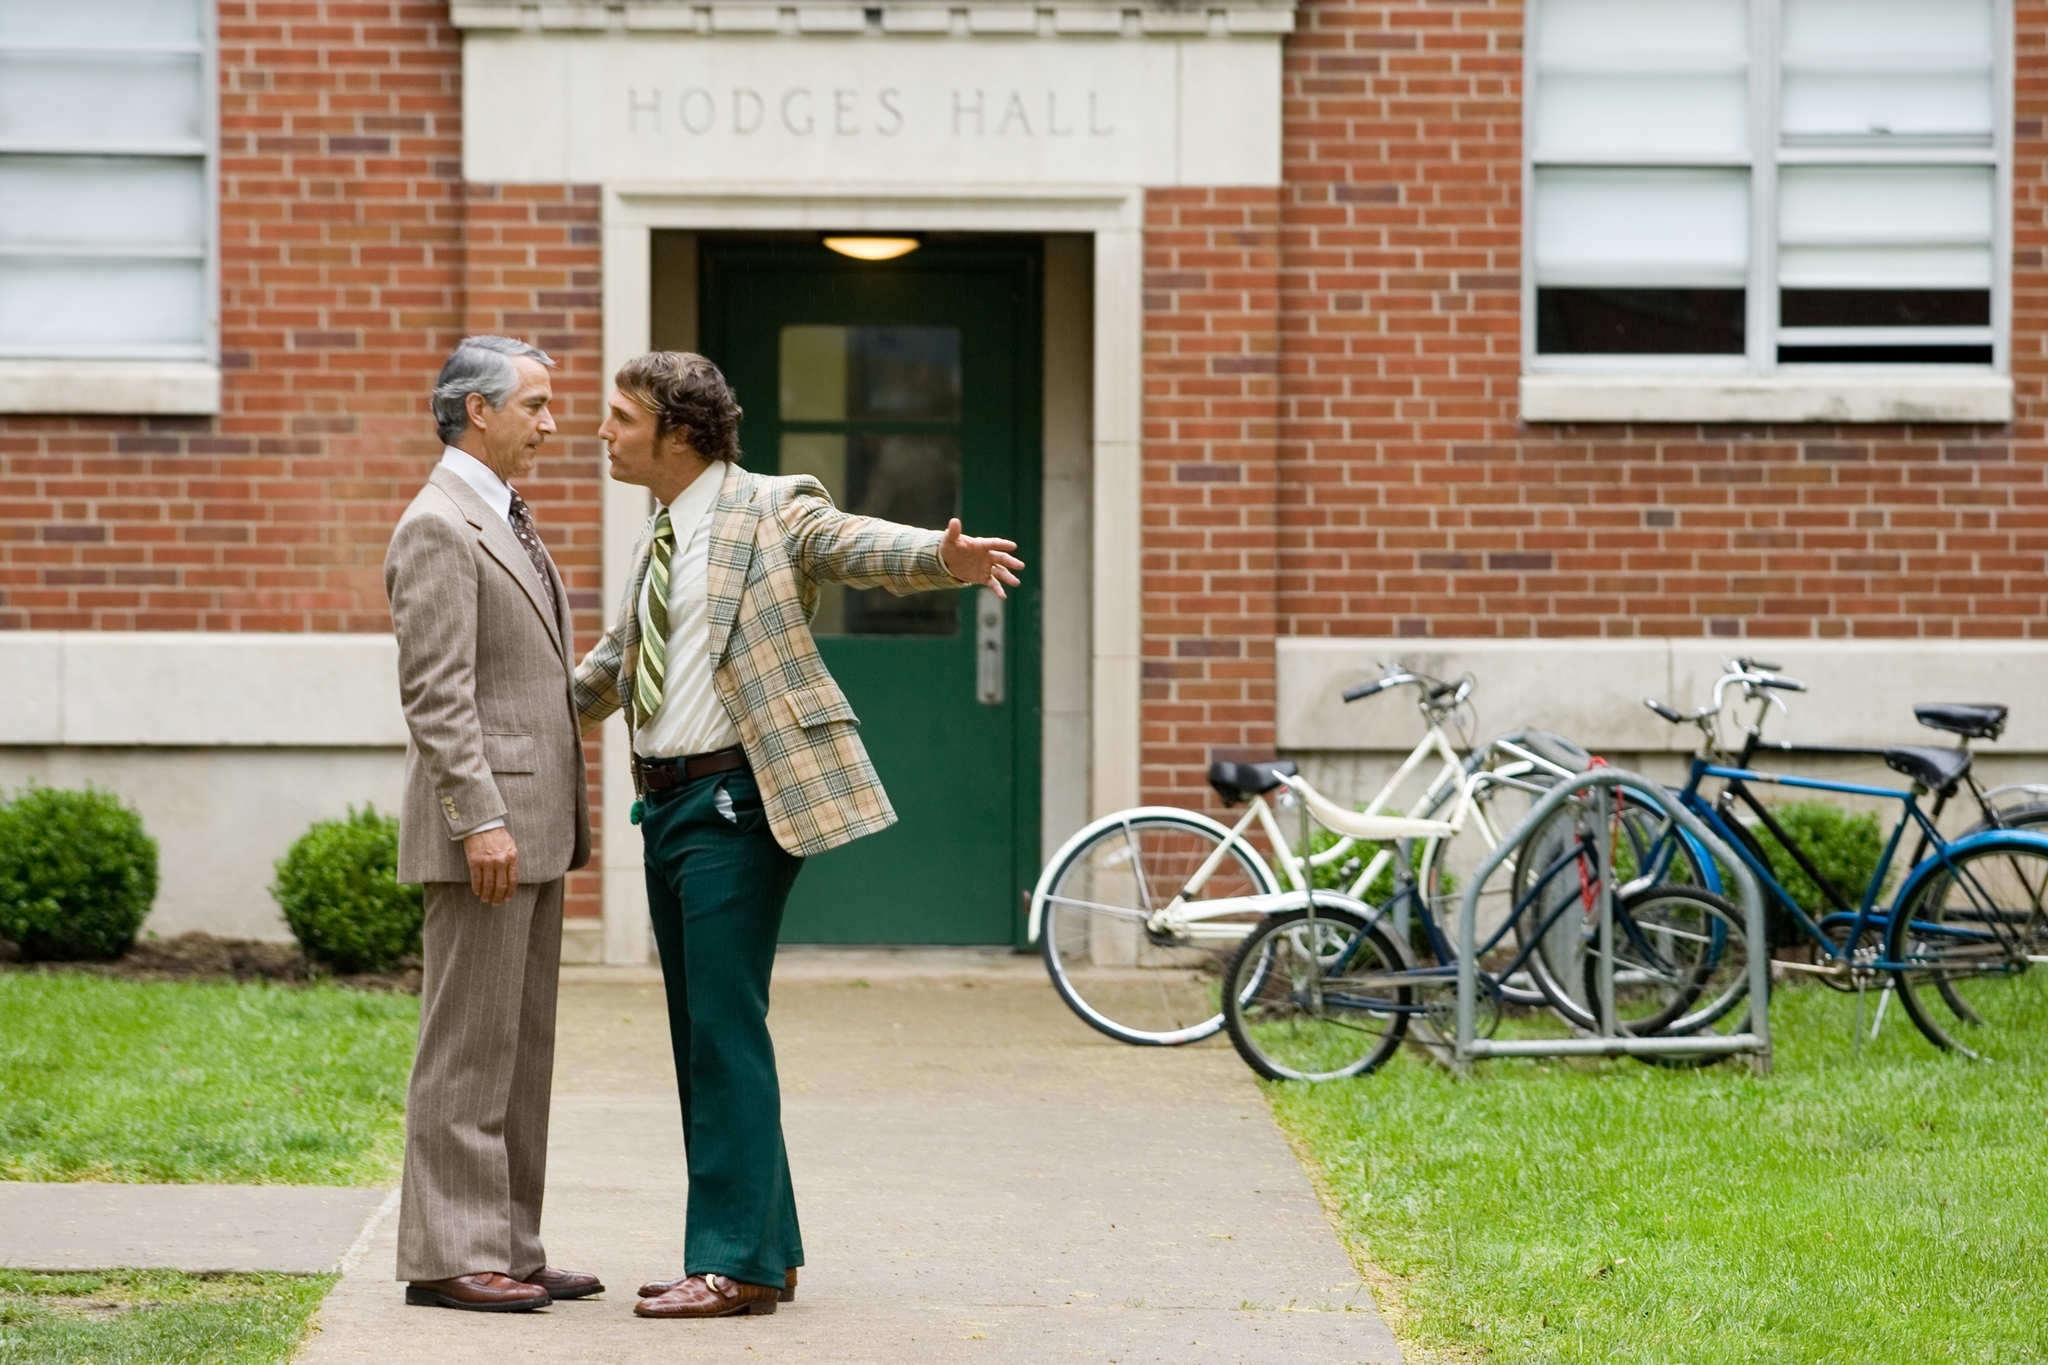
<point x="660" y="774"/>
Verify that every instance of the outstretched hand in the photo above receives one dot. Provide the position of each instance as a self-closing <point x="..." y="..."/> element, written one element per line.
<point x="982" y="560"/>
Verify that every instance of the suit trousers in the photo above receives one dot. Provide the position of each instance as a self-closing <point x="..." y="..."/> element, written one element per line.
<point x="716" y="885"/>
<point x="476" y="1114"/>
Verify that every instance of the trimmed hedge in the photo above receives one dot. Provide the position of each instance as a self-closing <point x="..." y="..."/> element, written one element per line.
<point x="77" y="874"/>
<point x="338" y="888"/>
<point x="1845" y="847"/>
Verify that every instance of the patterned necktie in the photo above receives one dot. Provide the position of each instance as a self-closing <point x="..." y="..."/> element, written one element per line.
<point x="522" y="526"/>
<point x="653" y="670"/>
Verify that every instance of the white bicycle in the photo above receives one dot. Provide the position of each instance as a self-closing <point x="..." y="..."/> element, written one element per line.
<point x="1138" y="914"/>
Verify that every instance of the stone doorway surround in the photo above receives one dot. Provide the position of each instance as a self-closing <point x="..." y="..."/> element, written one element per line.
<point x="912" y="117"/>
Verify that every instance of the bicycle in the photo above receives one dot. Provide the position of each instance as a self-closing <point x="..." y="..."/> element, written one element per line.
<point x="1322" y="991"/>
<point x="1138" y="913"/>
<point x="1962" y="938"/>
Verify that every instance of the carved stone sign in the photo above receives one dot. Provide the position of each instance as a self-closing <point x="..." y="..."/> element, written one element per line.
<point x="635" y="108"/>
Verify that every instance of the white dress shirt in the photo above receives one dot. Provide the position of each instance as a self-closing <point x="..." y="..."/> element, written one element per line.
<point x="497" y="495"/>
<point x="691" y="719"/>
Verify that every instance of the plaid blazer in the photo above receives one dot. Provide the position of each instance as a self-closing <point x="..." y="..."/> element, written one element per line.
<point x="773" y="541"/>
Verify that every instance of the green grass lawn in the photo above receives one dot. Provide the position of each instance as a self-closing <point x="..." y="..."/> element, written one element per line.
<point x="150" y="1317"/>
<point x="1883" y="1206"/>
<point x="113" y="1080"/>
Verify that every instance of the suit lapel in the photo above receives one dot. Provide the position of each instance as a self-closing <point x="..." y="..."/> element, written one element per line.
<point x="731" y="554"/>
<point x="495" y="534"/>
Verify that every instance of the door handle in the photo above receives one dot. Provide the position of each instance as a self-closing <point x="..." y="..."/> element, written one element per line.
<point x="988" y="648"/>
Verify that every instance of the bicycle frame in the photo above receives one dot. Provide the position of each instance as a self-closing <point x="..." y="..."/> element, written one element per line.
<point x="1867" y="916"/>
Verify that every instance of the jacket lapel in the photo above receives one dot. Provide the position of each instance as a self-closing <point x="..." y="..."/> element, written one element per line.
<point x="731" y="554"/>
<point x="495" y="534"/>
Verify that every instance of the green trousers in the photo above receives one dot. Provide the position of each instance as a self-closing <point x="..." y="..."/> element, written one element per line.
<point x="716" y="885"/>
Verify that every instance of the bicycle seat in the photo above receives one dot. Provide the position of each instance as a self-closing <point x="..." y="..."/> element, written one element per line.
<point x="1936" y="769"/>
<point x="1235" y="781"/>
<point x="1975" y="720"/>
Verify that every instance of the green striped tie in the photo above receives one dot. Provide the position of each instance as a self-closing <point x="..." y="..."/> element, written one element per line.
<point x="653" y="668"/>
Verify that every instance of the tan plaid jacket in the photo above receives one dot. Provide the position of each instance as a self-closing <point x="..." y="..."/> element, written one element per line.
<point x="773" y="541"/>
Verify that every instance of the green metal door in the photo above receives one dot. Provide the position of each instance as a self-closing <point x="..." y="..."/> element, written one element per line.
<point x="910" y="389"/>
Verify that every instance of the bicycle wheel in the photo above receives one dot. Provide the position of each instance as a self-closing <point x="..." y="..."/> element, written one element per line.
<point x="1317" y="1001"/>
<point x="1973" y="933"/>
<point x="1449" y="864"/>
<point x="1553" y="886"/>
<point x="1125" y="973"/>
<point x="1681" y="961"/>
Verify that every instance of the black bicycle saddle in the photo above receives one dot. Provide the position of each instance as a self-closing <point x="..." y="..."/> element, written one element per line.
<point x="1977" y="720"/>
<point x="1936" y="769"/>
<point x="1235" y="781"/>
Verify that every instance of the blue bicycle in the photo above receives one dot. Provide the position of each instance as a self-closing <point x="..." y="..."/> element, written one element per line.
<point x="1964" y="942"/>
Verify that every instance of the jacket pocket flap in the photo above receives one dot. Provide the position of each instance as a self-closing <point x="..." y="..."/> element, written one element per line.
<point x="811" y="706"/>
<point x="509" y="753"/>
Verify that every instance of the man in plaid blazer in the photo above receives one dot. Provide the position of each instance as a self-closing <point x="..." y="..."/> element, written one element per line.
<point x="747" y="760"/>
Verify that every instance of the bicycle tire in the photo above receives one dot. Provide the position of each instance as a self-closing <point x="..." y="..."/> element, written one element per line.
<point x="1449" y="859"/>
<point x="1277" y="1008"/>
<point x="1136" y="984"/>
<point x="1684" y="953"/>
<point x="1969" y="930"/>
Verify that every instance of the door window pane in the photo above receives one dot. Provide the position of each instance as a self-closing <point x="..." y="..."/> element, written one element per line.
<point x="911" y="478"/>
<point x="838" y="374"/>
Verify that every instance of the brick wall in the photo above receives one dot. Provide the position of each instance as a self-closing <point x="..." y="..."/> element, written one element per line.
<point x="1412" y="501"/>
<point x="352" y="258"/>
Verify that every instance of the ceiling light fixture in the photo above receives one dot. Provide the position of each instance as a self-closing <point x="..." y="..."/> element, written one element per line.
<point x="874" y="248"/>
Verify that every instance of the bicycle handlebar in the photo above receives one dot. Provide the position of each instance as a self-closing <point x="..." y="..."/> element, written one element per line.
<point x="1753" y="674"/>
<point x="1361" y="692"/>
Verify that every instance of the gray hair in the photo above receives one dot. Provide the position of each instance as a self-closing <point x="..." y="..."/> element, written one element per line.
<point x="481" y="365"/>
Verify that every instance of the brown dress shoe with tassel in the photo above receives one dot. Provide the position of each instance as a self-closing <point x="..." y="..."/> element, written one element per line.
<point x="565" y="1284"/>
<point x="488" y="1292"/>
<point x="710" y="1296"/>
<point x="654" y="1289"/>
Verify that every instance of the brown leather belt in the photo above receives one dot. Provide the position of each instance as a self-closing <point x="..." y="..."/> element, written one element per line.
<point x="660" y="774"/>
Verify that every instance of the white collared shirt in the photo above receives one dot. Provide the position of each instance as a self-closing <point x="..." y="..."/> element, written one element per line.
<point x="496" y="493"/>
<point x="691" y="719"/>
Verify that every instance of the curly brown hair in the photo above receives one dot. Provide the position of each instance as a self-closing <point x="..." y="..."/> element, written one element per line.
<point x="686" y="394"/>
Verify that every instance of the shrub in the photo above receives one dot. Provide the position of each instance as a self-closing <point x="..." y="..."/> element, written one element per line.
<point x="77" y="874"/>
<point x="339" y="890"/>
<point x="1844" y="847"/>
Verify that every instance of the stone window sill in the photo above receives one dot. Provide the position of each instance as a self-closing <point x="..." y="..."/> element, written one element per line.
<point x="1888" y="398"/>
<point x="132" y="388"/>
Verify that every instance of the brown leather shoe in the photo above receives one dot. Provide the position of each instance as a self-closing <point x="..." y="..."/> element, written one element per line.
<point x="710" y="1296"/>
<point x="487" y="1292"/>
<point x="565" y="1284"/>
<point x="654" y="1289"/>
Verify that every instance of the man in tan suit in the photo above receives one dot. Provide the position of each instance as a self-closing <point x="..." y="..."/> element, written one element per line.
<point x="495" y="815"/>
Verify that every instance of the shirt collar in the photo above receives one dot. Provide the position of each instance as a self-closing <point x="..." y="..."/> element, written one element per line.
<point x="496" y="493"/>
<point x="693" y="502"/>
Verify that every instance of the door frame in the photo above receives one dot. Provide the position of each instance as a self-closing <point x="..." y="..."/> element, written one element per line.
<point x="1114" y="218"/>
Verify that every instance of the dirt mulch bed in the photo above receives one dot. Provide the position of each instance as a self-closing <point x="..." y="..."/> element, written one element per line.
<point x="202" y="957"/>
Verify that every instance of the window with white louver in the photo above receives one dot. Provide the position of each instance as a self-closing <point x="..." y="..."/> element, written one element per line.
<point x="107" y="243"/>
<point x="1765" y="186"/>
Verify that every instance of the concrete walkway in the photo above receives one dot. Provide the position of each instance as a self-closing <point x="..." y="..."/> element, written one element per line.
<point x="981" y="1177"/>
<point x="300" y="1229"/>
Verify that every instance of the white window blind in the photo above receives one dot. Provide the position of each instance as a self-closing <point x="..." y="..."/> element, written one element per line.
<point x="1758" y="184"/>
<point x="106" y="168"/>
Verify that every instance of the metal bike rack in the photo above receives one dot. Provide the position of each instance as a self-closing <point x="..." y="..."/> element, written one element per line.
<point x="1608" y="1041"/>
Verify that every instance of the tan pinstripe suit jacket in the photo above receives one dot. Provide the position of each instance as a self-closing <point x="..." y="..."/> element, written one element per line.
<point x="484" y="674"/>
<point x="773" y="541"/>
